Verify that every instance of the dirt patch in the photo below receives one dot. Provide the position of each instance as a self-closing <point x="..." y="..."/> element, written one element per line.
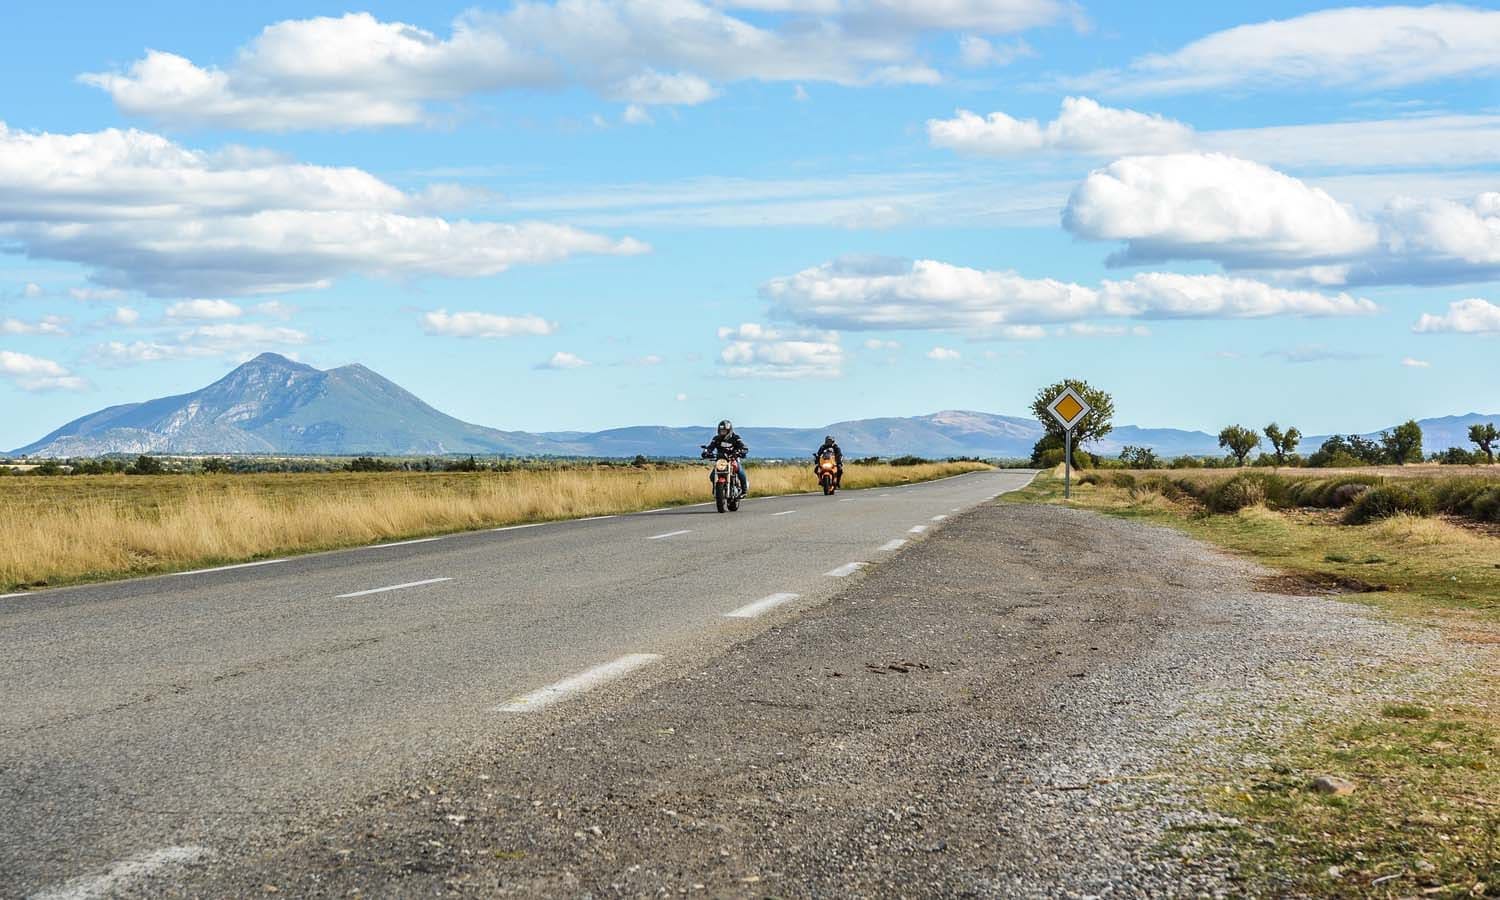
<point x="1315" y="584"/>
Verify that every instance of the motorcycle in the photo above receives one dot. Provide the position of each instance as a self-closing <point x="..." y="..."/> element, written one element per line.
<point x="725" y="474"/>
<point x="828" y="472"/>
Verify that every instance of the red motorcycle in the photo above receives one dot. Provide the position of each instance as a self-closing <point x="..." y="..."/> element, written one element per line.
<point x="828" y="472"/>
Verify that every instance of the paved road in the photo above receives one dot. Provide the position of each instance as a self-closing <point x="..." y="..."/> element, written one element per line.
<point x="143" y="720"/>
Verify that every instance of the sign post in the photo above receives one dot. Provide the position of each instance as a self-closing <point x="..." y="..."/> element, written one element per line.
<point x="1068" y="408"/>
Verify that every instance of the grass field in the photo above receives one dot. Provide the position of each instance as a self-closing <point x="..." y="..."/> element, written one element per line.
<point x="1426" y="818"/>
<point x="63" y="530"/>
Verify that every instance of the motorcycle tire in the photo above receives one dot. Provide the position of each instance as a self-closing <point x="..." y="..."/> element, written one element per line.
<point x="827" y="485"/>
<point x="719" y="499"/>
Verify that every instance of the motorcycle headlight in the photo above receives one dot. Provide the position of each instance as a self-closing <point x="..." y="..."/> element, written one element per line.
<point x="722" y="465"/>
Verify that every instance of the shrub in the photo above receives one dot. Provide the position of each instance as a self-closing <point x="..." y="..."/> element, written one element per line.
<point x="145" y="465"/>
<point x="1139" y="457"/>
<point x="1346" y="494"/>
<point x="1187" y="462"/>
<point x="909" y="461"/>
<point x="1387" y="500"/>
<point x="1234" y="494"/>
<point x="1049" y="458"/>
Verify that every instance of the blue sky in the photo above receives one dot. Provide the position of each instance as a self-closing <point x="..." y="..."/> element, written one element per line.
<point x="595" y="213"/>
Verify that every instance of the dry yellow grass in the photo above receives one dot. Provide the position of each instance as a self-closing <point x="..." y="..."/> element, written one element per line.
<point x="61" y="530"/>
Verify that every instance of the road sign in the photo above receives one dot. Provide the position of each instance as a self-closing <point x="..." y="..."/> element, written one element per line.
<point x="1068" y="408"/>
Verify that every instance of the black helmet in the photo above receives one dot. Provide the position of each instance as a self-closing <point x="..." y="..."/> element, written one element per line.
<point x="725" y="427"/>
<point x="828" y="439"/>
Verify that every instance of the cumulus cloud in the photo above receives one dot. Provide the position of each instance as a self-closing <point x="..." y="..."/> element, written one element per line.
<point x="944" y="354"/>
<point x="1364" y="47"/>
<point x="32" y="373"/>
<point x="204" y="309"/>
<point x="563" y="360"/>
<point x="145" y="213"/>
<point x="877" y="344"/>
<point x="356" y="71"/>
<point x="1082" y="127"/>
<point x="1413" y="363"/>
<point x="484" y="325"/>
<point x="977" y="53"/>
<point x="880" y="293"/>
<point x="54" y="326"/>
<point x="124" y="317"/>
<point x="1244" y="215"/>
<point x="758" y="351"/>
<point x="1472" y="316"/>
<point x="230" y="339"/>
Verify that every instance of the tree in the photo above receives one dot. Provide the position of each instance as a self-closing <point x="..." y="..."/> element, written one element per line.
<point x="215" y="466"/>
<point x="1239" y="440"/>
<point x="1484" y="436"/>
<point x="1403" y="444"/>
<point x="146" y="465"/>
<point x="1139" y="457"/>
<point x="1283" y="443"/>
<point x="1091" y="427"/>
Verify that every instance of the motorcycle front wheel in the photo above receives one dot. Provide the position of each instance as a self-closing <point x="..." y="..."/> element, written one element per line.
<point x="719" y="498"/>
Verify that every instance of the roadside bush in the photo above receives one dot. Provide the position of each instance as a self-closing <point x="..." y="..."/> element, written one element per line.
<point x="1187" y="462"/>
<point x="1235" y="494"/>
<point x="1386" y="500"/>
<point x="1329" y="493"/>
<point x="909" y="461"/>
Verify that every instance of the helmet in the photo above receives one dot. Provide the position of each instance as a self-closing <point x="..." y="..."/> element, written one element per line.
<point x="828" y="439"/>
<point x="725" y="427"/>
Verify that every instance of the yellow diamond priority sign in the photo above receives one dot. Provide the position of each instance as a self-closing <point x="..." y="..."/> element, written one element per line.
<point x="1068" y="408"/>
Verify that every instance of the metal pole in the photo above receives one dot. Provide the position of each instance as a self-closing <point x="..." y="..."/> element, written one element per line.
<point x="1067" y="464"/>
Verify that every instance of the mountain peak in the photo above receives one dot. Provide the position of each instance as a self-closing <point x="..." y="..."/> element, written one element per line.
<point x="269" y="360"/>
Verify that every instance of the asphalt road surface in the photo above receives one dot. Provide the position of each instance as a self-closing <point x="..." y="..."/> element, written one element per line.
<point x="146" y="723"/>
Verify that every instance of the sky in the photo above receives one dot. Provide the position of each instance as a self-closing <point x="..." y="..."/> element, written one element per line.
<point x="586" y="214"/>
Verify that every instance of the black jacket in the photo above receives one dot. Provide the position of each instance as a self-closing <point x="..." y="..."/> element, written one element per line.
<point x="727" y="446"/>
<point x="838" y="454"/>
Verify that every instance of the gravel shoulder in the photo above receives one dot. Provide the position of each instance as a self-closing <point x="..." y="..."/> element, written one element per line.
<point x="1028" y="702"/>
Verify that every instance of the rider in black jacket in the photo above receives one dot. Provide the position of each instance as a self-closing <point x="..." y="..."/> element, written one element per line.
<point x="838" y="455"/>
<point x="728" y="445"/>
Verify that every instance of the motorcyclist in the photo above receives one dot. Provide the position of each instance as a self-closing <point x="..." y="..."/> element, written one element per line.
<point x="838" y="457"/>
<point x="727" y="444"/>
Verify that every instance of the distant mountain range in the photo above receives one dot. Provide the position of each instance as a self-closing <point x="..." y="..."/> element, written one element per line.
<point x="273" y="405"/>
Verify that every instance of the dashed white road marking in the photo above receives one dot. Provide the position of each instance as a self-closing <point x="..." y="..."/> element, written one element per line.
<point x="897" y="544"/>
<point x="917" y="529"/>
<point x="4" y="596"/>
<point x="583" y="681"/>
<point x="403" y="543"/>
<point x="393" y="587"/>
<point x="845" y="500"/>
<point x="122" y="873"/>
<point x="657" y="537"/>
<point x="751" y="610"/>
<point x="519" y="527"/>
<point x="956" y="509"/>
<point x="658" y="509"/>
<point x="938" y="518"/>
<point x="845" y="570"/>
<point x="248" y="565"/>
<point x="783" y="513"/>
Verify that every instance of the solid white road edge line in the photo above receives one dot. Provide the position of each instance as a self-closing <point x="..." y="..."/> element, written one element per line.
<point x="938" y="518"/>
<point x="916" y="529"/>
<point x="786" y="513"/>
<point x="4" y="596"/>
<point x="122" y="873"/>
<point x="579" y="683"/>
<point x="751" y="610"/>
<point x="519" y="527"/>
<point x="597" y="518"/>
<point x="897" y="544"/>
<point x="845" y="570"/>
<point x="393" y="587"/>
<point x="403" y="543"/>
<point x="248" y="565"/>
<point x="657" y="537"/>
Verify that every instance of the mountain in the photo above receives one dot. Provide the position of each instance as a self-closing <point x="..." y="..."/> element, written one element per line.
<point x="1437" y="434"/>
<point x="274" y="405"/>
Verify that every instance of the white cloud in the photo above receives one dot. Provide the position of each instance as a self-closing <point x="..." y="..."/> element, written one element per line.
<point x="356" y="71"/>
<point x="1082" y="127"/>
<point x="876" y="344"/>
<point x="635" y="114"/>
<point x="1194" y="206"/>
<point x="681" y="397"/>
<point x="484" y="325"/>
<point x="276" y="310"/>
<point x="145" y="213"/>
<point x="32" y="373"/>
<point x="799" y="93"/>
<point x="756" y="351"/>
<point x="204" y="309"/>
<point x="1472" y="316"/>
<point x="879" y="293"/>
<point x="1243" y="215"/>
<point x="217" y="340"/>
<point x="1412" y="363"/>
<point x="87" y="295"/>
<point x="125" y="317"/>
<point x="53" y="326"/>
<point x="563" y="360"/>
<point x="32" y="290"/>
<point x="944" y="354"/>
<point x="1358" y="47"/>
<point x="1091" y="329"/>
<point x="978" y="53"/>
